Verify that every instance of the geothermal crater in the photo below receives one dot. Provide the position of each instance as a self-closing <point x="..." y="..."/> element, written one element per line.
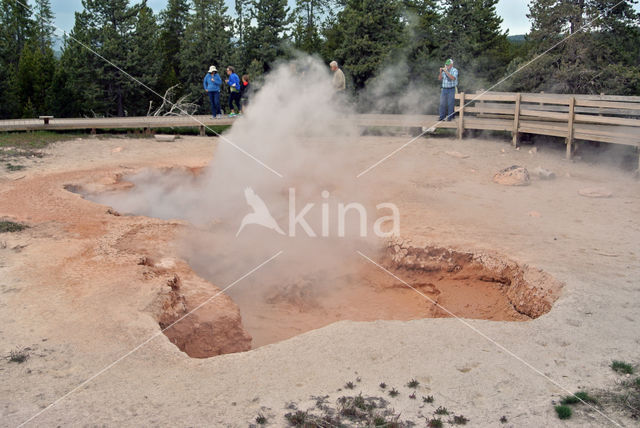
<point x="277" y="305"/>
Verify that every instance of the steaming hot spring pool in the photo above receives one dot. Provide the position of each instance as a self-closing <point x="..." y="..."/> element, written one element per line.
<point x="316" y="282"/>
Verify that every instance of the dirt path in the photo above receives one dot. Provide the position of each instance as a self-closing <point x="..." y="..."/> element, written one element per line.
<point x="73" y="290"/>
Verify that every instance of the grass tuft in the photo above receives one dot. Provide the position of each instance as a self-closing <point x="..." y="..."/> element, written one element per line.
<point x="18" y="356"/>
<point x="442" y="411"/>
<point x="11" y="226"/>
<point x="435" y="423"/>
<point x="297" y="419"/>
<point x="383" y="385"/>
<point x="503" y="419"/>
<point x="394" y="392"/>
<point x="577" y="397"/>
<point x="349" y="385"/>
<point x="622" y="367"/>
<point x="12" y="167"/>
<point x="261" y="419"/>
<point x="413" y="383"/>
<point x="427" y="399"/>
<point x="564" y="412"/>
<point x="459" y="420"/>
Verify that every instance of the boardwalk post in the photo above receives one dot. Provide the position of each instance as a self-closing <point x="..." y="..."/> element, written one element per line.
<point x="202" y="131"/>
<point x="572" y="105"/>
<point x="516" y="122"/>
<point x="461" y="117"/>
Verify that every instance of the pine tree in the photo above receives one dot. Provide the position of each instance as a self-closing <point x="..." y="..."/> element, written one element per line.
<point x="207" y="41"/>
<point x="241" y="25"/>
<point x="423" y="17"/>
<point x="470" y="34"/>
<point x="36" y="67"/>
<point x="103" y="28"/>
<point x="44" y="28"/>
<point x="309" y="16"/>
<point x="367" y="31"/>
<point x="15" y="30"/>
<point x="173" y="21"/>
<point x="266" y="41"/>
<point x="145" y="62"/>
<point x="598" y="41"/>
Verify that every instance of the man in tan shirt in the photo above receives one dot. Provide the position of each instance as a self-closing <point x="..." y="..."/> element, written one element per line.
<point x="338" y="77"/>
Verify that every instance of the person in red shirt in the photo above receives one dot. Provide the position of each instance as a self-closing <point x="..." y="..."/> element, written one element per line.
<point x="245" y="92"/>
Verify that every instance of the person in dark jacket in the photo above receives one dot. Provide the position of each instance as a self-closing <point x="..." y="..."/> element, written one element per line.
<point x="212" y="83"/>
<point x="245" y="92"/>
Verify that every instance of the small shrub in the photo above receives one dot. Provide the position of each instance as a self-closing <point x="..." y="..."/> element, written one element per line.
<point x="442" y="411"/>
<point x="427" y="399"/>
<point x="296" y="419"/>
<point x="261" y="419"/>
<point x="394" y="392"/>
<point x="12" y="167"/>
<point x="459" y="420"/>
<point x="413" y="383"/>
<point x="10" y="226"/>
<point x="577" y="397"/>
<point x="564" y="412"/>
<point x="359" y="402"/>
<point x="622" y="367"/>
<point x="435" y="423"/>
<point x="18" y="356"/>
<point x="379" y="421"/>
<point x="349" y="385"/>
<point x="412" y="396"/>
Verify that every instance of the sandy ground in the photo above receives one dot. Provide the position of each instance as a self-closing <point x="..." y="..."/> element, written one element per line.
<point x="73" y="292"/>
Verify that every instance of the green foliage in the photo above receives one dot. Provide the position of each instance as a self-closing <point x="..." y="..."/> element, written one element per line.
<point x="173" y="22"/>
<point x="563" y="412"/>
<point x="32" y="140"/>
<point x="622" y="367"/>
<point x="10" y="226"/>
<point x="365" y="35"/>
<point x="206" y="41"/>
<point x="459" y="420"/>
<point x="309" y="18"/>
<point x="16" y="28"/>
<point x="144" y="59"/>
<point x="470" y="34"/>
<point x="265" y="42"/>
<point x="33" y="82"/>
<point x="105" y="29"/>
<point x="19" y="356"/>
<point x="601" y="54"/>
<point x="578" y="397"/>
<point x="441" y="411"/>
<point x="435" y="423"/>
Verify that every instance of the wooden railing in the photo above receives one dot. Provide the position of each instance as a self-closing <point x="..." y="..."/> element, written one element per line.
<point x="605" y="118"/>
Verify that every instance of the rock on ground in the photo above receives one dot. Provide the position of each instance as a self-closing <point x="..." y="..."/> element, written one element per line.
<point x="513" y="176"/>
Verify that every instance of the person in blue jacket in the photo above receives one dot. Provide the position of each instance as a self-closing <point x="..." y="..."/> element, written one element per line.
<point x="212" y="83"/>
<point x="234" y="90"/>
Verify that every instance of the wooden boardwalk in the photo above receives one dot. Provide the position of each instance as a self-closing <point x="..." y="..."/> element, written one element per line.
<point x="603" y="118"/>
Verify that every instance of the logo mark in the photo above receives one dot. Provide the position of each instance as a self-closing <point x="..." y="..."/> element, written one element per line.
<point x="260" y="214"/>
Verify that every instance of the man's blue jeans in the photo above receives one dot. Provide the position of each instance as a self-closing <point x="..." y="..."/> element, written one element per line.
<point x="214" y="99"/>
<point x="447" y="102"/>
